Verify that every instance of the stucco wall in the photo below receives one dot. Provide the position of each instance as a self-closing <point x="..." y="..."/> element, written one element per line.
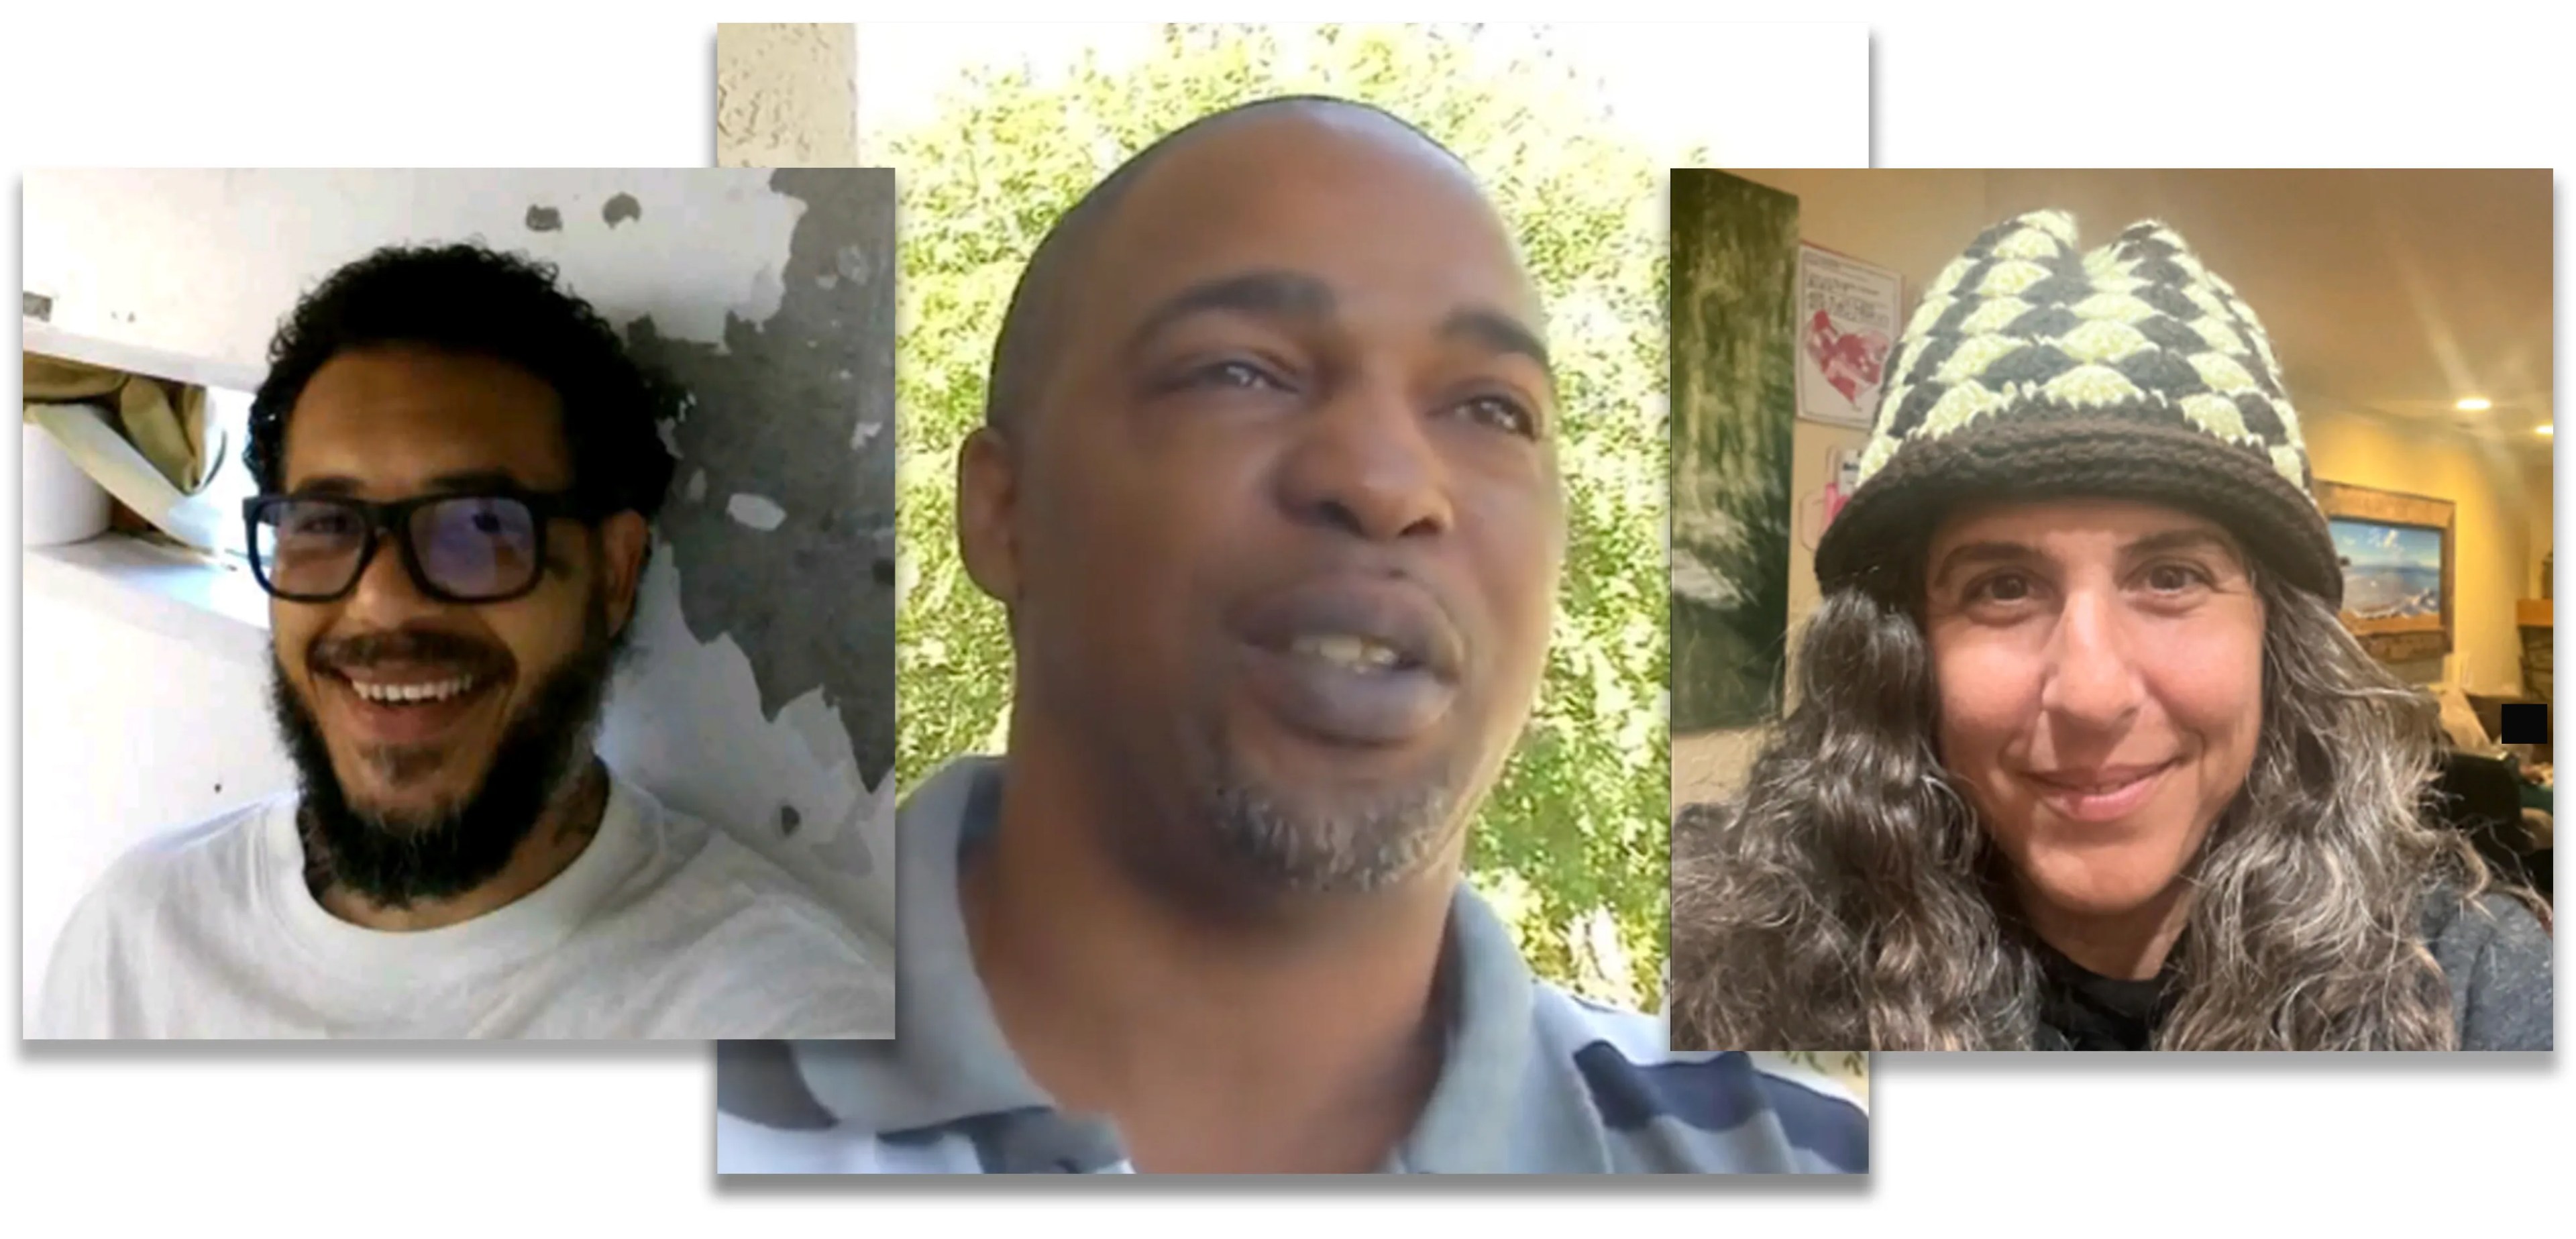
<point x="786" y="95"/>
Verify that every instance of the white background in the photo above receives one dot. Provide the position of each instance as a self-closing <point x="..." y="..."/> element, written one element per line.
<point x="588" y="1140"/>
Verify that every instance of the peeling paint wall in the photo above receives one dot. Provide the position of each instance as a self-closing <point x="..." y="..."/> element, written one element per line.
<point x="762" y="697"/>
<point x="786" y="95"/>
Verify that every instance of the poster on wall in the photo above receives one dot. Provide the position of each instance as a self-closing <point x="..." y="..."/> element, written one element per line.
<point x="1847" y="322"/>
<point x="1734" y="401"/>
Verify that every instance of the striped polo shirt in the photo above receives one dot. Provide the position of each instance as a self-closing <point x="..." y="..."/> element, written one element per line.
<point x="1534" y="1080"/>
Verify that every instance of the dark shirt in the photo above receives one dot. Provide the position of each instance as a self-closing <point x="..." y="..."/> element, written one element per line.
<point x="2080" y="1009"/>
<point x="2495" y="955"/>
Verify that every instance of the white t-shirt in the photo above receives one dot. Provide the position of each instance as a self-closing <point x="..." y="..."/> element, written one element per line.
<point x="661" y="928"/>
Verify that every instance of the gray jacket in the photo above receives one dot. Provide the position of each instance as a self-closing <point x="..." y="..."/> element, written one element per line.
<point x="2497" y="958"/>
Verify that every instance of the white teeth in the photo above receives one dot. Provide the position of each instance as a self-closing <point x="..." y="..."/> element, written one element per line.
<point x="406" y="694"/>
<point x="1355" y="653"/>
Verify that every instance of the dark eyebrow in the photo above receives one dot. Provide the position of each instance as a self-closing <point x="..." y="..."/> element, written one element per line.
<point x="478" y="480"/>
<point x="324" y="488"/>
<point x="2173" y="540"/>
<point x="1503" y="334"/>
<point x="1971" y="554"/>
<point x="467" y="481"/>
<point x="1266" y="294"/>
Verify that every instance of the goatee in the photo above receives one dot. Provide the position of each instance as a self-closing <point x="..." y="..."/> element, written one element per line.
<point x="1302" y="842"/>
<point x="394" y="860"/>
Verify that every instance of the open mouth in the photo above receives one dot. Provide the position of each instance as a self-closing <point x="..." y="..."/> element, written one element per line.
<point x="1360" y="625"/>
<point x="393" y="694"/>
<point x="409" y="705"/>
<point x="1353" y="653"/>
<point x="1352" y="660"/>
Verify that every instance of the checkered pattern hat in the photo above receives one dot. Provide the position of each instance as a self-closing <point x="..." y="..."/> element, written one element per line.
<point x="2031" y="371"/>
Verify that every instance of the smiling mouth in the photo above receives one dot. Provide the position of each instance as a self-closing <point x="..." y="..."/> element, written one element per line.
<point x="413" y="693"/>
<point x="408" y="706"/>
<point x="2100" y="795"/>
<point x="2095" y="783"/>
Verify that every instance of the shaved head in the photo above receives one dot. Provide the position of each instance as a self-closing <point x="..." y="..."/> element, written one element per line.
<point x="1025" y="350"/>
<point x="1268" y="488"/>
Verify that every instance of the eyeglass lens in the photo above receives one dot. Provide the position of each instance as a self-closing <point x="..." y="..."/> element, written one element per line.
<point x="469" y="547"/>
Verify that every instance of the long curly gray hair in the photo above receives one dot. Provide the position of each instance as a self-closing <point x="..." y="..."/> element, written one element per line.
<point x="1848" y="897"/>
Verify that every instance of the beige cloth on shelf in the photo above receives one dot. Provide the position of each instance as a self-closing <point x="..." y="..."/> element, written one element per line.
<point x="165" y="421"/>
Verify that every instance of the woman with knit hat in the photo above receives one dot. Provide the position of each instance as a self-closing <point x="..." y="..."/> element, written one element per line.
<point x="2081" y="757"/>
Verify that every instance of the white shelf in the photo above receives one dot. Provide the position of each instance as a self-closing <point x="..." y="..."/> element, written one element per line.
<point x="206" y="602"/>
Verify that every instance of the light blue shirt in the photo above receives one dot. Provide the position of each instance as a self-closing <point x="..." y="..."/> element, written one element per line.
<point x="1534" y="1080"/>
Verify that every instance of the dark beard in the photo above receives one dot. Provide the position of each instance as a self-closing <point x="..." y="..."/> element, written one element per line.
<point x="1365" y="843"/>
<point x="394" y="862"/>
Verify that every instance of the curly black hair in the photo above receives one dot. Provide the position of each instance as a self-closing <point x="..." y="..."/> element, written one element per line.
<point x="477" y="301"/>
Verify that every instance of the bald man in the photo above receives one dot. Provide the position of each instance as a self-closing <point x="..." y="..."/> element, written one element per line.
<point x="1268" y="488"/>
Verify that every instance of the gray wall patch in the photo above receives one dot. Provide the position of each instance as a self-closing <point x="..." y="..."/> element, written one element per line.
<point x="779" y="407"/>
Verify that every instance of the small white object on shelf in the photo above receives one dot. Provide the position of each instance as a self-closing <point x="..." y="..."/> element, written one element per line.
<point x="57" y="503"/>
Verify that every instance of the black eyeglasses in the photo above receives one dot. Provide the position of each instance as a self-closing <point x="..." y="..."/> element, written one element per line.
<point x="465" y="548"/>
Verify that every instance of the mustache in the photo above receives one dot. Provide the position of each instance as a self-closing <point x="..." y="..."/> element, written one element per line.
<point x="395" y="860"/>
<point x="424" y="645"/>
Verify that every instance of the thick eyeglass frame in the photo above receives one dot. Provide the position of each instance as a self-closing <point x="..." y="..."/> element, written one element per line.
<point x="394" y="519"/>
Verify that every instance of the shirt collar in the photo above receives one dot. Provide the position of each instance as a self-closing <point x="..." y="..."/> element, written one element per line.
<point x="948" y="1061"/>
<point x="950" y="1064"/>
<point x="524" y="929"/>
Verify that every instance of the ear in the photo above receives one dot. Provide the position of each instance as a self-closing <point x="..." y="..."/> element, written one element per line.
<point x="623" y="539"/>
<point x="988" y="500"/>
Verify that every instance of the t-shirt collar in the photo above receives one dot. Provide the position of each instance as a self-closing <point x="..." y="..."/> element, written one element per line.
<point x="526" y="928"/>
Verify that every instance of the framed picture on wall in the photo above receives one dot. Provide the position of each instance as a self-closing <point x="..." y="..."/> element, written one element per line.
<point x="2397" y="554"/>
<point x="1847" y="322"/>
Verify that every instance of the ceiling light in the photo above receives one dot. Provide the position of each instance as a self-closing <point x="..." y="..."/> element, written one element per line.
<point x="2476" y="404"/>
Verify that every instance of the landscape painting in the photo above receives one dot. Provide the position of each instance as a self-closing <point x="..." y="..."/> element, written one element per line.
<point x="2390" y="572"/>
<point x="2396" y="553"/>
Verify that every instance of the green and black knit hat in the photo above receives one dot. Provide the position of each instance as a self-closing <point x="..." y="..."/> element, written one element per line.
<point x="2033" y="372"/>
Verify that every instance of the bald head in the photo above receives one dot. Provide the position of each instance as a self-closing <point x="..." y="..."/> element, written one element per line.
<point x="1278" y="381"/>
<point x="1024" y="353"/>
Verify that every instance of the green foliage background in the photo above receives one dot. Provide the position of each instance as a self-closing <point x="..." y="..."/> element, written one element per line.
<point x="1574" y="846"/>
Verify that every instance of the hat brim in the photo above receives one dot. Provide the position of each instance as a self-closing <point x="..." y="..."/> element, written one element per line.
<point x="2039" y="454"/>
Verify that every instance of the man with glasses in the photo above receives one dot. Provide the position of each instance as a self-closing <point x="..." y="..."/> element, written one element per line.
<point x="458" y="465"/>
